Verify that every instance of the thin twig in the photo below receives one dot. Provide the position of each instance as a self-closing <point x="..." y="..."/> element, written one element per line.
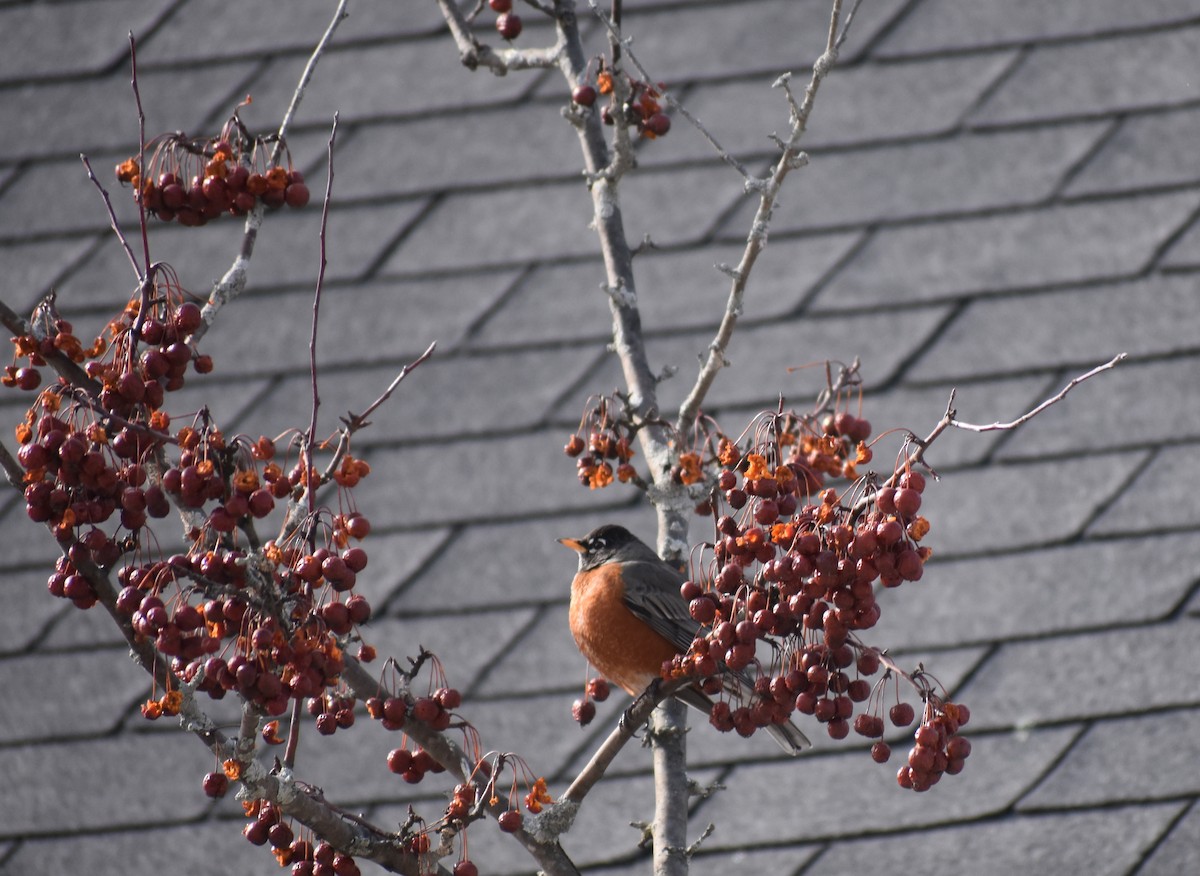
<point x="137" y="99"/>
<point x="1030" y="414"/>
<point x="633" y="718"/>
<point x="311" y="439"/>
<point x="112" y="216"/>
<point x="306" y="76"/>
<point x="354" y="421"/>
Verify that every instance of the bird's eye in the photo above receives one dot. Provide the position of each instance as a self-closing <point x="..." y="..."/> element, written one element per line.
<point x="597" y="542"/>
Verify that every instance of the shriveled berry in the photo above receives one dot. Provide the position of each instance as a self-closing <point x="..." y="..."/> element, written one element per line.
<point x="583" y="711"/>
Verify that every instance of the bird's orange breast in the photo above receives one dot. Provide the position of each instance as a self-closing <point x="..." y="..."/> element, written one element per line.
<point x="620" y="647"/>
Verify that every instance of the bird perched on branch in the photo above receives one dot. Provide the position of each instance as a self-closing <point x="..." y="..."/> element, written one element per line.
<point x="628" y="618"/>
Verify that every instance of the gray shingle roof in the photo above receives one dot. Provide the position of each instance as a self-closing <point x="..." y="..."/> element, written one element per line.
<point x="999" y="195"/>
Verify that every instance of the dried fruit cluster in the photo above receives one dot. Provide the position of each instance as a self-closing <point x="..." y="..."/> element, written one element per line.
<point x="606" y="435"/>
<point x="641" y="108"/>
<point x="195" y="181"/>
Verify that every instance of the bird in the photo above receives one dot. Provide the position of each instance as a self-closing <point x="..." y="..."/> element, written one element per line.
<point x="628" y="618"/>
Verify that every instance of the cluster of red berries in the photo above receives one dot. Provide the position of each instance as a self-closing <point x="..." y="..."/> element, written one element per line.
<point x="412" y="765"/>
<point x="193" y="182"/>
<point x="938" y="749"/>
<point x="265" y="620"/>
<point x="303" y="856"/>
<point x="83" y="461"/>
<point x="642" y="110"/>
<point x="508" y="23"/>
<point x="796" y="563"/>
<point x="609" y="440"/>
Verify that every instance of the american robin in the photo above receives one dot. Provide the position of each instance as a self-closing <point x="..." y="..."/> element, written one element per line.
<point x="628" y="617"/>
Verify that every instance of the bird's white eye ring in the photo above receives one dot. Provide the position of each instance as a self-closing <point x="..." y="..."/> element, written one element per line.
<point x="598" y="542"/>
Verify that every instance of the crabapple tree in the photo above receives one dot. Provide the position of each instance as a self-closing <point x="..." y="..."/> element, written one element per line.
<point x="797" y="532"/>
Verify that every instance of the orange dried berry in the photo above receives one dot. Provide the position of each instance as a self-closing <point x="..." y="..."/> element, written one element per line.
<point x="232" y="769"/>
<point x="216" y="166"/>
<point x="170" y="702"/>
<point x="270" y="733"/>
<point x="604" y="82"/>
<point x="277" y="179"/>
<point x="783" y="533"/>
<point x="625" y="451"/>
<point x="204" y="467"/>
<point x="95" y="432"/>
<point x="756" y="466"/>
<point x="151" y="710"/>
<point x="128" y="170"/>
<point x="263" y="449"/>
<point x="246" y="481"/>
<point x="689" y="468"/>
<point x="728" y="453"/>
<point x="862" y="453"/>
<point x="601" y="476"/>
<point x="626" y="472"/>
<point x="918" y="528"/>
<point x="256" y="184"/>
<point x="24" y="433"/>
<point x="188" y="438"/>
<point x="160" y="421"/>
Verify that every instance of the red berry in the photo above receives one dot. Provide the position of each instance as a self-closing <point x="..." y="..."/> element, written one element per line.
<point x="394" y="710"/>
<point x="296" y="194"/>
<point x="584" y="95"/>
<point x="902" y="714"/>
<point x="425" y="709"/>
<point x="448" y="697"/>
<point x="399" y="760"/>
<point x="509" y="25"/>
<point x="216" y="784"/>
<point x="880" y="752"/>
<point x="510" y="821"/>
<point x="583" y="711"/>
<point x="28" y="378"/>
<point x="658" y="124"/>
<point x="907" y="501"/>
<point x="465" y="867"/>
<point x="500" y="5"/>
<point x="598" y="689"/>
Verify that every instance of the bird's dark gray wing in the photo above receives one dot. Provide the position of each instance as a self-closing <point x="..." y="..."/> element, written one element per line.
<point x="652" y="594"/>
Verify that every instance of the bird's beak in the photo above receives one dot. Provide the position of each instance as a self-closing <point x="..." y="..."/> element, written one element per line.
<point x="574" y="544"/>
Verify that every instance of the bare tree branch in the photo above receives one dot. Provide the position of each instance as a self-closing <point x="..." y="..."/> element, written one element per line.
<point x="791" y="159"/>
